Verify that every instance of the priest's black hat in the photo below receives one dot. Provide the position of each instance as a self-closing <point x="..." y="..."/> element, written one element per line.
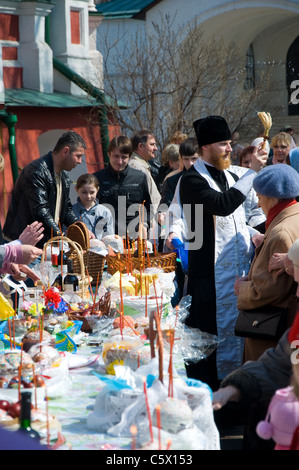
<point x="211" y="129"/>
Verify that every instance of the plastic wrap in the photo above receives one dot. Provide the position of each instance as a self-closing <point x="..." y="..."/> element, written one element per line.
<point x="117" y="349"/>
<point x="122" y="403"/>
<point x="191" y="343"/>
<point x="151" y="290"/>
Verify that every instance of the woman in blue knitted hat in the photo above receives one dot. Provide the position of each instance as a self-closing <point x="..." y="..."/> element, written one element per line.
<point x="277" y="187"/>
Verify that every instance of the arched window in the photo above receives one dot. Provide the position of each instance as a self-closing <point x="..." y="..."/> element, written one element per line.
<point x="292" y="70"/>
<point x="250" y="71"/>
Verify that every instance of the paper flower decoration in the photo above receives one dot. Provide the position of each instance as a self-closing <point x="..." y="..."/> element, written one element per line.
<point x="34" y="309"/>
<point x="52" y="297"/>
<point x="26" y="305"/>
<point x="62" y="307"/>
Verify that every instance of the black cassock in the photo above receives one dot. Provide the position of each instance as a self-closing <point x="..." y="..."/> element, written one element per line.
<point x="194" y="189"/>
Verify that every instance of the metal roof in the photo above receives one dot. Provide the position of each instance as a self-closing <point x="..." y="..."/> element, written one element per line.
<point x="123" y="8"/>
<point x="26" y="97"/>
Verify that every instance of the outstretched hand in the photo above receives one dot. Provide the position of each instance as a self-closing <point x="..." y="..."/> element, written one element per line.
<point x="32" y="234"/>
<point x="222" y="396"/>
<point x="20" y="271"/>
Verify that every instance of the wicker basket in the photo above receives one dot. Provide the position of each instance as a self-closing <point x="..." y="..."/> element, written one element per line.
<point x="79" y="269"/>
<point x="93" y="262"/>
<point x="165" y="261"/>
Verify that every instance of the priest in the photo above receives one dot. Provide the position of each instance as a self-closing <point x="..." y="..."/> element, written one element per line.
<point x="220" y="246"/>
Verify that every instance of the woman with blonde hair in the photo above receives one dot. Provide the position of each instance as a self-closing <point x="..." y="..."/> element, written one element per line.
<point x="281" y="145"/>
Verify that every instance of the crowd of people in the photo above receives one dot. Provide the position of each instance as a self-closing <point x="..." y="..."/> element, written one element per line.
<point x="237" y="220"/>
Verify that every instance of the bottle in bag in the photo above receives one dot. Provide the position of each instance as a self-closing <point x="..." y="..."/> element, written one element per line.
<point x="25" y="417"/>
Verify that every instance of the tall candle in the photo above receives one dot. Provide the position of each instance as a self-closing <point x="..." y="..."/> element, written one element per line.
<point x="148" y="410"/>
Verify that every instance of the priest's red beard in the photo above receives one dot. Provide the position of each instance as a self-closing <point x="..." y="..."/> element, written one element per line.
<point x="222" y="164"/>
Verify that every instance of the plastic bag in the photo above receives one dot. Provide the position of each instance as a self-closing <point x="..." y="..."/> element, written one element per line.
<point x="118" y="408"/>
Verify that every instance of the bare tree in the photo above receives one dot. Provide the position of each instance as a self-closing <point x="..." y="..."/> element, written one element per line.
<point x="169" y="78"/>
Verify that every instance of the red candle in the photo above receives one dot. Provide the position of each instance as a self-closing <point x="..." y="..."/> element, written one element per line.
<point x="148" y="410"/>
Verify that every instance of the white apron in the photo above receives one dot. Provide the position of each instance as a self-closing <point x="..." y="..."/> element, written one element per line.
<point x="233" y="252"/>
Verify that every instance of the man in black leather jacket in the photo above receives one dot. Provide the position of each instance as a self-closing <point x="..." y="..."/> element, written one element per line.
<point x="123" y="189"/>
<point x="42" y="190"/>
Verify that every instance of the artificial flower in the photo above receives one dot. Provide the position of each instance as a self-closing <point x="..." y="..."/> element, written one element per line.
<point x="52" y="297"/>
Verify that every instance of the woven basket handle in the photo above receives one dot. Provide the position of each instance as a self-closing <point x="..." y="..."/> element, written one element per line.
<point x="74" y="245"/>
<point x="155" y="316"/>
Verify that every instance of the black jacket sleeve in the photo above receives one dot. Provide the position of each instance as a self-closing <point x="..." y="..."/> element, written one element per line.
<point x="194" y="189"/>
